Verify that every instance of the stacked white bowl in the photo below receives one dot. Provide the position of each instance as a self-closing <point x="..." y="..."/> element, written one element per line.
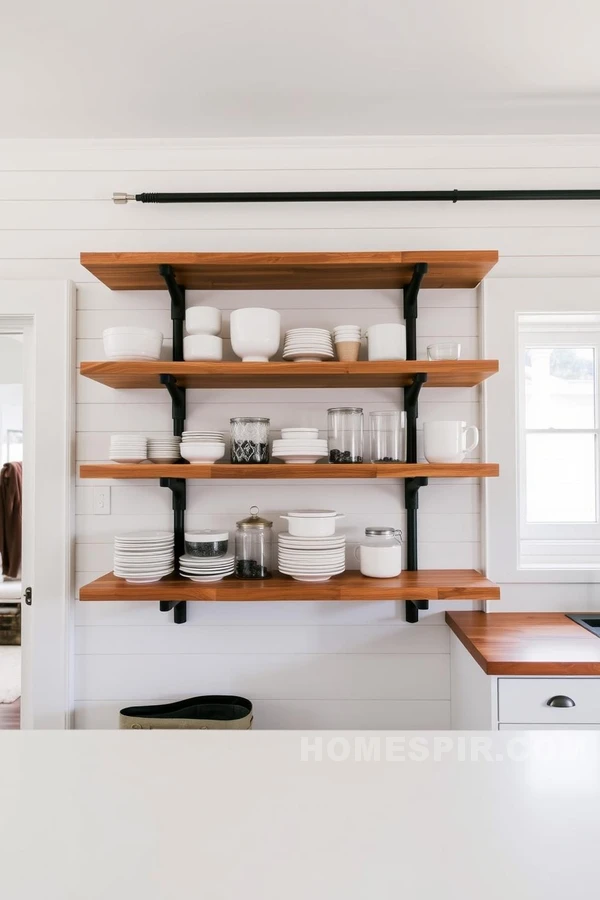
<point x="308" y="345"/>
<point x="202" y="446"/>
<point x="128" y="448"/>
<point x="300" y="445"/>
<point x="164" y="449"/>
<point x="130" y="342"/>
<point x="143" y="557"/>
<point x="203" y="341"/>
<point x="200" y="569"/>
<point x="311" y="550"/>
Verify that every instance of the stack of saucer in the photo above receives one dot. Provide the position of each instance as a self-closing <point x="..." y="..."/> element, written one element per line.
<point x="143" y="557"/>
<point x="311" y="558"/>
<point x="308" y="345"/>
<point x="300" y="445"/>
<point x="164" y="449"/>
<point x="198" y="568"/>
<point x="128" y="448"/>
<point x="202" y="446"/>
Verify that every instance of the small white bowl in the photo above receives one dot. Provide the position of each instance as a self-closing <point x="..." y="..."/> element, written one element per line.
<point x="289" y="434"/>
<point x="132" y="343"/>
<point x="203" y="320"/>
<point x="199" y="347"/>
<point x="202" y="453"/>
<point x="312" y="527"/>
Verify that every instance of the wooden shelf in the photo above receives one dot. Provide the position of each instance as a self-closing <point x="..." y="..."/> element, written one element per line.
<point x="290" y="271"/>
<point x="249" y="376"/>
<point x="432" y="584"/>
<point x="288" y="471"/>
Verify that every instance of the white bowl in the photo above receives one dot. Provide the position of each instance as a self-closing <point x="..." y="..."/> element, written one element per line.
<point x="289" y="433"/>
<point x="386" y="341"/>
<point x="255" y="333"/>
<point x="202" y="453"/>
<point x="203" y="320"/>
<point x="312" y="527"/>
<point x="132" y="343"/>
<point x="199" y="347"/>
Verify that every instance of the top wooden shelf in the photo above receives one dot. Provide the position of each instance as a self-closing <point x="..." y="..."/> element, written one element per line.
<point x="290" y="271"/>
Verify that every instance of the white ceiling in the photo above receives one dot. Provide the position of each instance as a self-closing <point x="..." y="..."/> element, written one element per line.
<point x="252" y="68"/>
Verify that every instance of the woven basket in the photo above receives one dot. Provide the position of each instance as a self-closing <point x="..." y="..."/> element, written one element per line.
<point x="10" y="624"/>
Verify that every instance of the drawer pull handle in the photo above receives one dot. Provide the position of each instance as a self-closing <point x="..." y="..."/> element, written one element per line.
<point x="561" y="702"/>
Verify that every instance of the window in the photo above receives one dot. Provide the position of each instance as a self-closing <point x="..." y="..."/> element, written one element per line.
<point x="542" y="425"/>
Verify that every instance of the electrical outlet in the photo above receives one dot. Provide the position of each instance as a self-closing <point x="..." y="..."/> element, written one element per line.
<point x="101" y="501"/>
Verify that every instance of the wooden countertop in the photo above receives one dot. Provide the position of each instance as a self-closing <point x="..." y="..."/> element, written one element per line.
<point x="527" y="643"/>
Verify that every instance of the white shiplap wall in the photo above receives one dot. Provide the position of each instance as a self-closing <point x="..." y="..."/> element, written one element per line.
<point x="303" y="664"/>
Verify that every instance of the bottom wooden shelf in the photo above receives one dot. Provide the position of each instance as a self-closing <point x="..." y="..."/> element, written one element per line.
<point x="427" y="584"/>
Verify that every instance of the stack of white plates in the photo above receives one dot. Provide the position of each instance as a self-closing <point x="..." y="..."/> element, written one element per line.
<point x="164" y="450"/>
<point x="198" y="568"/>
<point x="142" y="557"/>
<point x="128" y="448"/>
<point x="300" y="445"/>
<point x="311" y="559"/>
<point x="308" y="345"/>
<point x="202" y="446"/>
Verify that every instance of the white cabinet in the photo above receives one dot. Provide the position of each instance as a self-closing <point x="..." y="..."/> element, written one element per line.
<point x="501" y="702"/>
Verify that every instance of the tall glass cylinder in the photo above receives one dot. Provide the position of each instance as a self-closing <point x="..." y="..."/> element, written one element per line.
<point x="345" y="434"/>
<point x="388" y="436"/>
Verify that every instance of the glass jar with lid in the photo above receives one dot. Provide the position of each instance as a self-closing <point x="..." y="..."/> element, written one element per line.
<point x="388" y="436"/>
<point x="249" y="439"/>
<point x="253" y="546"/>
<point x="345" y="434"/>
<point x="380" y="552"/>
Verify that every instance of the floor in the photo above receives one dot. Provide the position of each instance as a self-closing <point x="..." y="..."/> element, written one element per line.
<point x="10" y="716"/>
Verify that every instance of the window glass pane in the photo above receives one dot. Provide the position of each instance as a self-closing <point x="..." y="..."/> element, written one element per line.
<point x="559" y="387"/>
<point x="561" y="478"/>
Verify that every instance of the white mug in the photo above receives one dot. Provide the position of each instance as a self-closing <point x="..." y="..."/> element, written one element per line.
<point x="448" y="442"/>
<point x="386" y="341"/>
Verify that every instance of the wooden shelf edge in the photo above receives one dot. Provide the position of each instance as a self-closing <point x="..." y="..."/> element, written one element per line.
<point x="427" y="584"/>
<point x="284" y="472"/>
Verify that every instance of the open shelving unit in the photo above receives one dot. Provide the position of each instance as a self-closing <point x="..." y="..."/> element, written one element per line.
<point x="294" y="271"/>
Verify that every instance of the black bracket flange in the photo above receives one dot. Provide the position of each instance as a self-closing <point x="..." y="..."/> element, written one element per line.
<point x="178" y="405"/>
<point x="179" y="491"/>
<point x="177" y="294"/>
<point x="411" y="407"/>
<point x="411" y="503"/>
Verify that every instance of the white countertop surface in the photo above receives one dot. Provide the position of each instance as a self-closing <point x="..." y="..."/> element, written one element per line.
<point x="209" y="814"/>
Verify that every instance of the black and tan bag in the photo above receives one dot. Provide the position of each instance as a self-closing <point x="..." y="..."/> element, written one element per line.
<point x="215" y="711"/>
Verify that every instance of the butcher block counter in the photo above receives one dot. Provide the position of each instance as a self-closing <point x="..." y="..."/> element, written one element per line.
<point x="523" y="670"/>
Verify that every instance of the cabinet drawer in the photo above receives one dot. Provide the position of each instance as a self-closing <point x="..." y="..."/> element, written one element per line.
<point x="526" y="700"/>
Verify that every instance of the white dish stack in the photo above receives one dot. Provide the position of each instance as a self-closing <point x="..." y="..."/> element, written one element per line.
<point x="128" y="448"/>
<point x="311" y="556"/>
<point x="143" y="557"/>
<point x="300" y="445"/>
<point x="202" y="446"/>
<point x="308" y="345"/>
<point x="206" y="569"/>
<point x="203" y="341"/>
<point x="164" y="449"/>
<point x="129" y="342"/>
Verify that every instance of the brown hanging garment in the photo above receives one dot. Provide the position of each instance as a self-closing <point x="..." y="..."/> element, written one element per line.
<point x="11" y="518"/>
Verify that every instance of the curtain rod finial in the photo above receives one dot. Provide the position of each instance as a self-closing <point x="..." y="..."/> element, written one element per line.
<point x="119" y="197"/>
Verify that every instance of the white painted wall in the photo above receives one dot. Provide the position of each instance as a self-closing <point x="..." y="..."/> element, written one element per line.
<point x="303" y="664"/>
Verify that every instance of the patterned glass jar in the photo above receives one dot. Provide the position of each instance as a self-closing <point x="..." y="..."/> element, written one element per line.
<point x="249" y="439"/>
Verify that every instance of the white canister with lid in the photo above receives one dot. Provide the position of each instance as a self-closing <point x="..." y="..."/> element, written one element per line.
<point x="380" y="552"/>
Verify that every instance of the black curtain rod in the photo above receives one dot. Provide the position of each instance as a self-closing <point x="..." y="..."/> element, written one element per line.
<point x="349" y="196"/>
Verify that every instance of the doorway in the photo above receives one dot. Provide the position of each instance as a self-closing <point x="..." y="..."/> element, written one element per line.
<point x="11" y="514"/>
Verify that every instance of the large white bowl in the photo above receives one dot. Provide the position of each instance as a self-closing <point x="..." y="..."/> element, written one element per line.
<point x="309" y="527"/>
<point x="255" y="333"/>
<point x="202" y="453"/>
<point x="203" y="320"/>
<point x="199" y="347"/>
<point x="129" y="342"/>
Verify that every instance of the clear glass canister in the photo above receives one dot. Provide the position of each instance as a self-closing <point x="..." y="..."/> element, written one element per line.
<point x="380" y="552"/>
<point x="388" y="436"/>
<point x="249" y="439"/>
<point x="253" y="546"/>
<point x="345" y="434"/>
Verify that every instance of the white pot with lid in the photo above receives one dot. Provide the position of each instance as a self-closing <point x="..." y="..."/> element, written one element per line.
<point x="380" y="552"/>
<point x="312" y="522"/>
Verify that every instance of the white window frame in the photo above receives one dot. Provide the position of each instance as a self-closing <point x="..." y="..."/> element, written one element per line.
<point x="503" y="301"/>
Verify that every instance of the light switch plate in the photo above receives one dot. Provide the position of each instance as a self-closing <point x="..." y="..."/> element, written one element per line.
<point x="101" y="501"/>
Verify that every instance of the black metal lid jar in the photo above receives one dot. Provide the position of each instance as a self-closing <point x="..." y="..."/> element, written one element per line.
<point x="253" y="546"/>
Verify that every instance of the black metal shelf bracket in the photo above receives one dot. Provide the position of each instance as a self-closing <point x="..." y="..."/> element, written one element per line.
<point x="178" y="488"/>
<point x="411" y="308"/>
<point x="177" y="294"/>
<point x="178" y="405"/>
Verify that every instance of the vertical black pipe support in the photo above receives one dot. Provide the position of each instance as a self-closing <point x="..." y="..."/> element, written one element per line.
<point x="178" y="489"/>
<point x="411" y="308"/>
<point x="177" y="294"/>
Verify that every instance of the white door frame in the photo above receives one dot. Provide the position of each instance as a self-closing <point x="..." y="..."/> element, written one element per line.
<point x="45" y="312"/>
